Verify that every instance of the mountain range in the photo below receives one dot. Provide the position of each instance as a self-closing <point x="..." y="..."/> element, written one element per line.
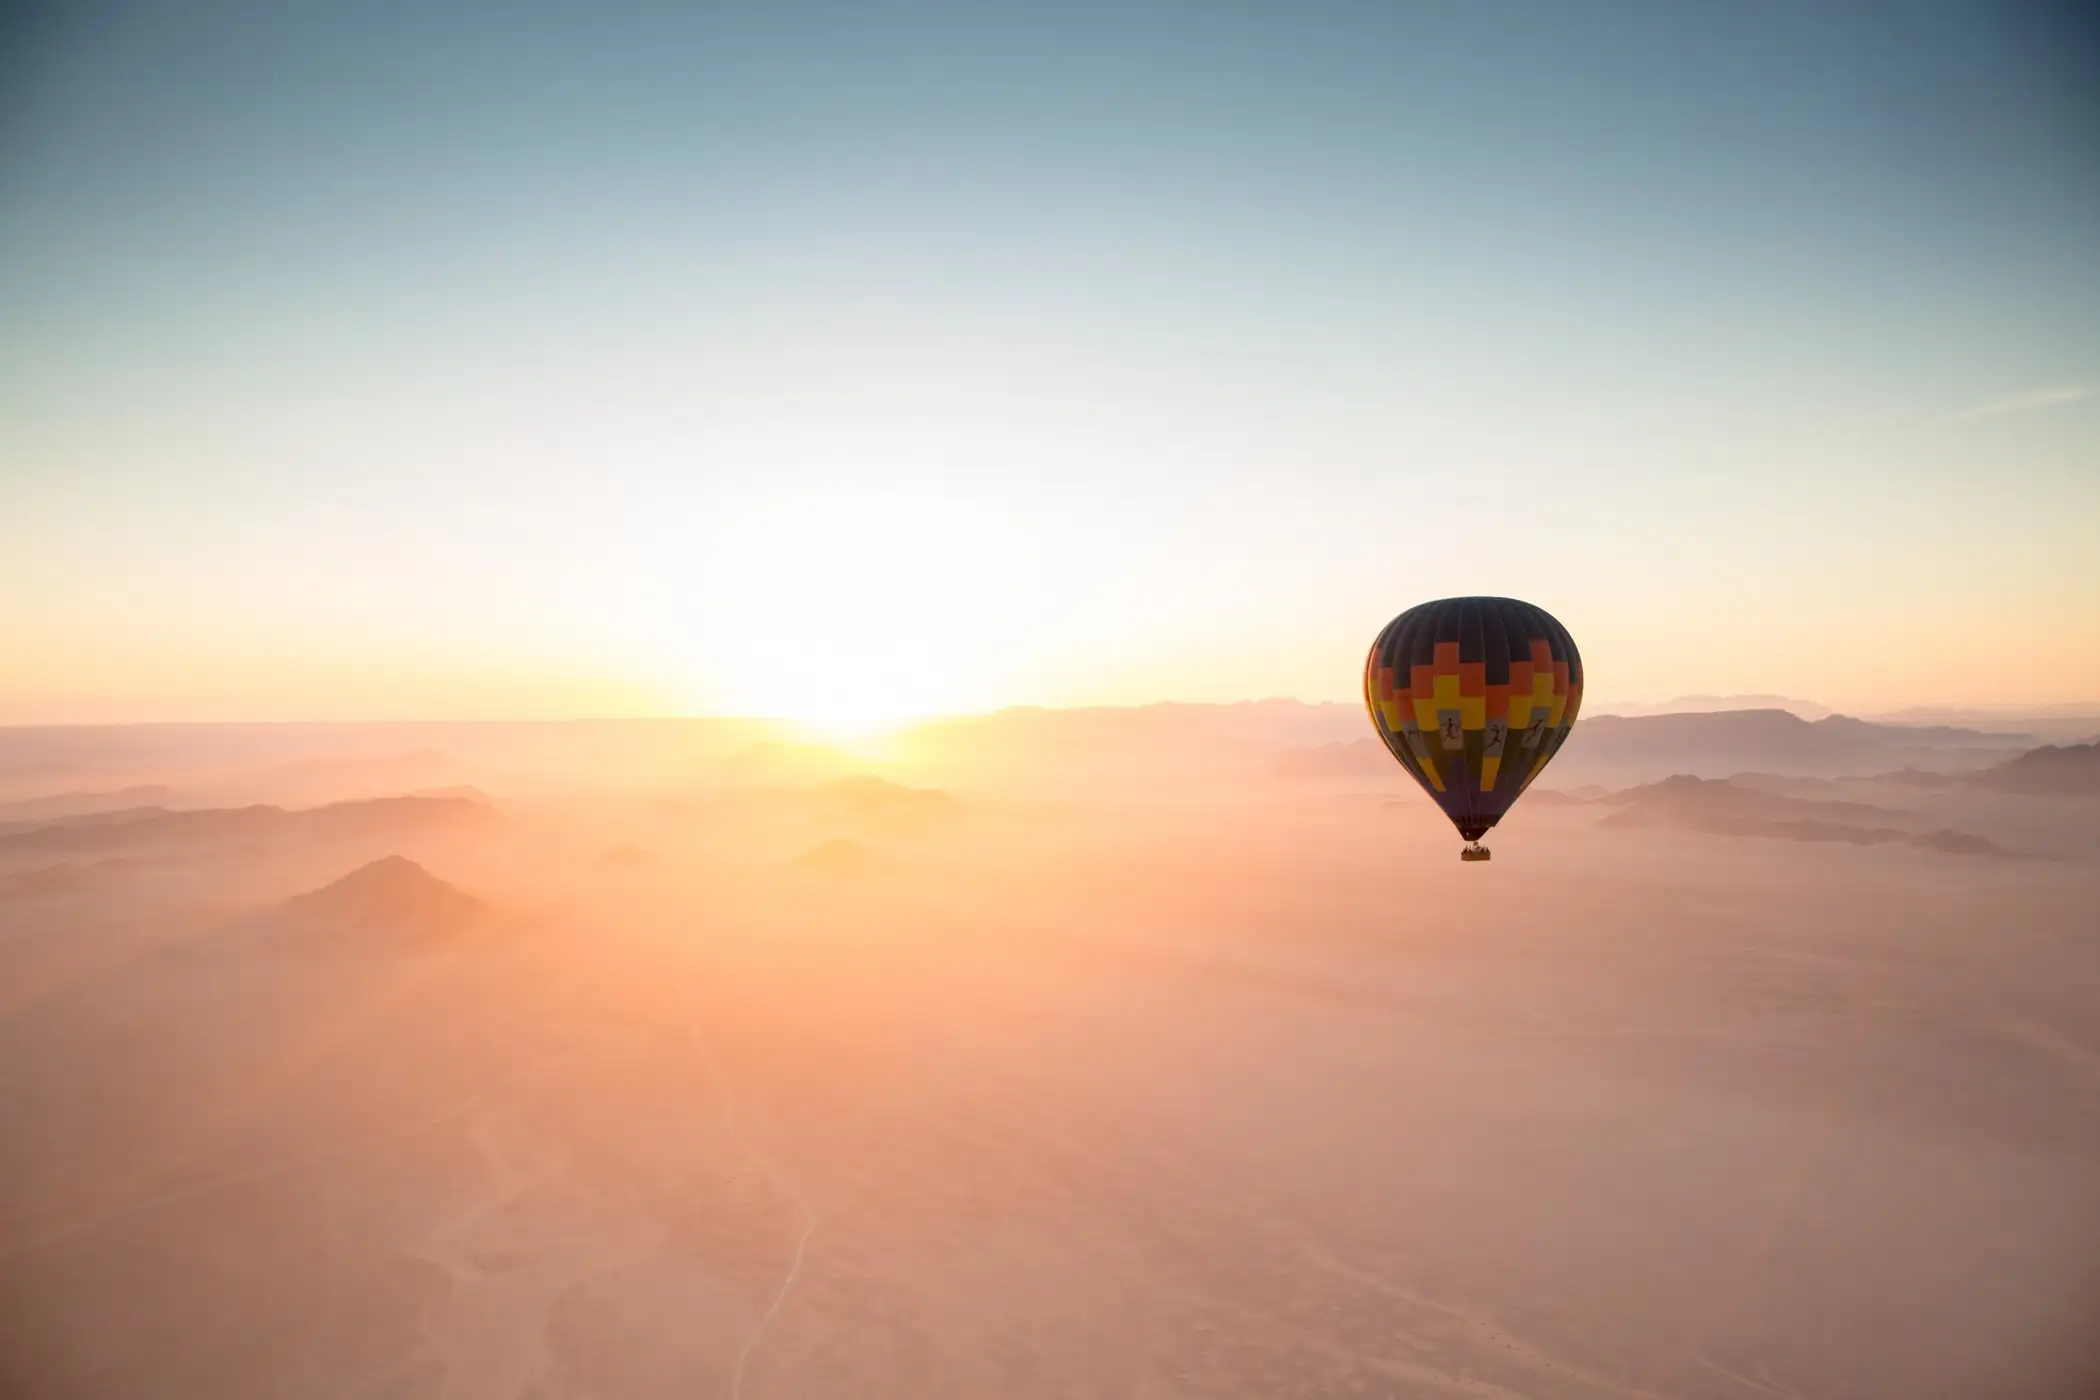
<point x="2047" y="771"/>
<point x="163" y="829"/>
<point x="1718" y="807"/>
<point x="1715" y="744"/>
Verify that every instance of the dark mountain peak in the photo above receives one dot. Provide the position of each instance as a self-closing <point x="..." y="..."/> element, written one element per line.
<point x="2050" y="769"/>
<point x="393" y="891"/>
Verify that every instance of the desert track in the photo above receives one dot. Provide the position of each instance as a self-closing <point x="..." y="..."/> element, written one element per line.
<point x="787" y="1187"/>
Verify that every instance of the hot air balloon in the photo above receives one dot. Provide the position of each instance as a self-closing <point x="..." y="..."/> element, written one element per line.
<point x="1473" y="696"/>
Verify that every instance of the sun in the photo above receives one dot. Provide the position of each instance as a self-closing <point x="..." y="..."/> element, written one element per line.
<point x="850" y="614"/>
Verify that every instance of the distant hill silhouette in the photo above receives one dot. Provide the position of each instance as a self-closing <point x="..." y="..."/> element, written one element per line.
<point x="877" y="804"/>
<point x="73" y="804"/>
<point x="774" y="761"/>
<point x="1712" y="744"/>
<point x="1775" y="731"/>
<point x="1711" y="704"/>
<point x="1917" y="777"/>
<point x="1771" y="741"/>
<point x="1683" y="794"/>
<point x="1796" y="785"/>
<point x="466" y="790"/>
<point x="159" y="827"/>
<point x="1960" y="843"/>
<point x="392" y="893"/>
<point x="2048" y="771"/>
<point x="2054" y="723"/>
<point x="1553" y="797"/>
<point x="115" y="816"/>
<point x="330" y="779"/>
<point x="1718" y="807"/>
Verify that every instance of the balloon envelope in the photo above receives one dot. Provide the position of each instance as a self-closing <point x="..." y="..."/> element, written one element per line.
<point x="1473" y="696"/>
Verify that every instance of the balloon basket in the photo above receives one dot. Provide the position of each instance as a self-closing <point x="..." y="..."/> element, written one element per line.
<point x="1476" y="851"/>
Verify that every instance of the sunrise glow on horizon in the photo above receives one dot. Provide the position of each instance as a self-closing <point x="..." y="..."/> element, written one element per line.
<point x="362" y="364"/>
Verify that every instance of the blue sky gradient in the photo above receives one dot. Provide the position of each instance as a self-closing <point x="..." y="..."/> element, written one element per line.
<point x="405" y="358"/>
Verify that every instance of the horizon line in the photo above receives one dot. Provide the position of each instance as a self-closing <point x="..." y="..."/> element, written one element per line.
<point x="2058" y="709"/>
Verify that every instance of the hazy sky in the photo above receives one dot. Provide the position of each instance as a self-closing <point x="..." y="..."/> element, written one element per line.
<point x="515" y="359"/>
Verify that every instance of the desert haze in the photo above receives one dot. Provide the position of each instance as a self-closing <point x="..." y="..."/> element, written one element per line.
<point x="1116" y="1053"/>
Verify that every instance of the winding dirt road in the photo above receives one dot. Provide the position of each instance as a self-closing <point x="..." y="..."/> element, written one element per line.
<point x="787" y="1188"/>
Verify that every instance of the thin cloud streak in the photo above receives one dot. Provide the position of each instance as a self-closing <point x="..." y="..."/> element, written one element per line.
<point x="2026" y="402"/>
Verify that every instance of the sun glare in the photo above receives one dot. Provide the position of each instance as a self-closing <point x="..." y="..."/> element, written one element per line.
<point x="852" y="614"/>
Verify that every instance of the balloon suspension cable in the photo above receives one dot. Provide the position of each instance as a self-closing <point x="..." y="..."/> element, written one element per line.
<point x="1475" y="851"/>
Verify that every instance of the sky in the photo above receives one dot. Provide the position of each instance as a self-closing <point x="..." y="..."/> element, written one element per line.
<point x="867" y="360"/>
